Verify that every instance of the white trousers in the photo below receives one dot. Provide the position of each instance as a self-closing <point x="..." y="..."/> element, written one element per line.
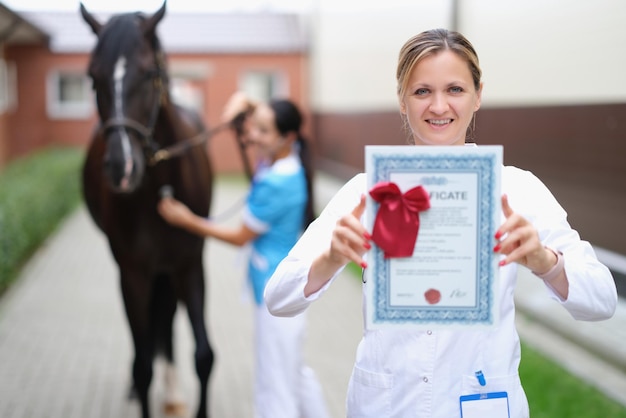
<point x="284" y="387"/>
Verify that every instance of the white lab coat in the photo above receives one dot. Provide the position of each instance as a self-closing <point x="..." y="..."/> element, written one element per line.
<point x="422" y="374"/>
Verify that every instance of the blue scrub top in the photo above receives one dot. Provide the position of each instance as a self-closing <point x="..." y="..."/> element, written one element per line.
<point x="275" y="210"/>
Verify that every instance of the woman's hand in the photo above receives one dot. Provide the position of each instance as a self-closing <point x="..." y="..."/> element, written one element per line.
<point x="238" y="104"/>
<point x="519" y="241"/>
<point x="174" y="211"/>
<point x="349" y="242"/>
<point x="350" y="239"/>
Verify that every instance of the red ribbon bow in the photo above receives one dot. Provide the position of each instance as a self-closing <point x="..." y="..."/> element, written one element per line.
<point x="397" y="221"/>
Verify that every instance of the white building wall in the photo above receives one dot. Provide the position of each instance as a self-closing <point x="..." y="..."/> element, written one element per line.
<point x="532" y="52"/>
<point x="355" y="49"/>
<point x="549" y="52"/>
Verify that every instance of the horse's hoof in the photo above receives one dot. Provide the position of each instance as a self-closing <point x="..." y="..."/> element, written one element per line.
<point x="175" y="409"/>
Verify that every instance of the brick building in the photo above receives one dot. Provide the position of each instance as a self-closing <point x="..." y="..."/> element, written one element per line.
<point x="209" y="56"/>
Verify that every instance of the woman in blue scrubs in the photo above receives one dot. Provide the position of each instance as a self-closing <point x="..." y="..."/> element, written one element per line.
<point x="278" y="208"/>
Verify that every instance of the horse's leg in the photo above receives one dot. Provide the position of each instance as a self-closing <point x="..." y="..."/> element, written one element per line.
<point x="136" y="290"/>
<point x="194" y="300"/>
<point x="163" y="310"/>
<point x="175" y="404"/>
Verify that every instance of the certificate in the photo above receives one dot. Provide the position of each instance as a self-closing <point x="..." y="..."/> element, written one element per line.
<point x="451" y="278"/>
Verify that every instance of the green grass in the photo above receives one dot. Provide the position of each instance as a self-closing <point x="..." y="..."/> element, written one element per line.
<point x="552" y="391"/>
<point x="555" y="393"/>
<point x="36" y="193"/>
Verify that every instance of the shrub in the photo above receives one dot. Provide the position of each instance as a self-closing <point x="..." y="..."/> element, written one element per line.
<point x="36" y="193"/>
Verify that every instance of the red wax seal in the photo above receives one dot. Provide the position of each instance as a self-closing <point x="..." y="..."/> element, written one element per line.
<point x="433" y="296"/>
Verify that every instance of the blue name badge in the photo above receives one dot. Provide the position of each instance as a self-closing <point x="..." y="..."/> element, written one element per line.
<point x="485" y="405"/>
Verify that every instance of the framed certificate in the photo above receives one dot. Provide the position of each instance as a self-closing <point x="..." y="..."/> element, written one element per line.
<point x="450" y="280"/>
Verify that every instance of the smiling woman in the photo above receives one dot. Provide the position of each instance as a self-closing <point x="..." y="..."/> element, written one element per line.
<point x="439" y="90"/>
<point x="439" y="97"/>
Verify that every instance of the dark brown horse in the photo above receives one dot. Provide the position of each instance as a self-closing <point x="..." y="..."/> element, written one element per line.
<point x="144" y="142"/>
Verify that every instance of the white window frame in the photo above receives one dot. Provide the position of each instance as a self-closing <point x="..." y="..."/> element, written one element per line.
<point x="183" y="74"/>
<point x="185" y="94"/>
<point x="57" y="108"/>
<point x="8" y="86"/>
<point x="264" y="84"/>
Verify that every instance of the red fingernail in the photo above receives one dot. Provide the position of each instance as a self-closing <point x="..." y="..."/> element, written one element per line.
<point x="502" y="263"/>
<point x="367" y="245"/>
<point x="367" y="236"/>
<point x="498" y="235"/>
<point x="363" y="264"/>
<point x="496" y="248"/>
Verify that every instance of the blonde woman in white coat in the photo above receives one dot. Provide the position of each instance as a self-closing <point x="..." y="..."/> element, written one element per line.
<point x="423" y="374"/>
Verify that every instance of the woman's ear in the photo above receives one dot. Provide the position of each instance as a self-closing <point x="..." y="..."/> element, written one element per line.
<point x="402" y="106"/>
<point x="479" y="95"/>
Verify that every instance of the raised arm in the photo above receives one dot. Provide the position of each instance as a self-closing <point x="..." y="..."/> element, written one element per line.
<point x="535" y="233"/>
<point x="335" y="238"/>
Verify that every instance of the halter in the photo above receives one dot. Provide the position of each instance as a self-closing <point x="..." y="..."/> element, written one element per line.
<point x="153" y="152"/>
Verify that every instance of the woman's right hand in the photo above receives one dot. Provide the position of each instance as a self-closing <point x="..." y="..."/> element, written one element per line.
<point x="174" y="212"/>
<point x="350" y="240"/>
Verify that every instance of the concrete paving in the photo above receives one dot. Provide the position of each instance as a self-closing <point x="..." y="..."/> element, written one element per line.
<point x="66" y="350"/>
<point x="65" y="344"/>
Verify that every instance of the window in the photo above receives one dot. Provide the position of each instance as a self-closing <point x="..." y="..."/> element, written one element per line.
<point x="263" y="85"/>
<point x="187" y="81"/>
<point x="8" y="85"/>
<point x="187" y="94"/>
<point x="69" y="95"/>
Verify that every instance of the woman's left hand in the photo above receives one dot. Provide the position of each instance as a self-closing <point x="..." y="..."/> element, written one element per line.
<point x="174" y="211"/>
<point x="518" y="240"/>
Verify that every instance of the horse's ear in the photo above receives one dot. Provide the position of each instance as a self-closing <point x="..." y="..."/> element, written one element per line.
<point x="151" y="23"/>
<point x="91" y="21"/>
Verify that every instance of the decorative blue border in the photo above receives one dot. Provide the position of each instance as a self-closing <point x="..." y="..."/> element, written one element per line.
<point x="484" y="167"/>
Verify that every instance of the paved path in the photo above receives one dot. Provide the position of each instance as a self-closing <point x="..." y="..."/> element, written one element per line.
<point x="65" y="347"/>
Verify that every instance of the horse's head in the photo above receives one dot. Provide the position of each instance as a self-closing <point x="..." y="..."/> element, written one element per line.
<point x="128" y="72"/>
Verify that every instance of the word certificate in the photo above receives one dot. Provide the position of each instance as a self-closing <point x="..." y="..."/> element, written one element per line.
<point x="450" y="280"/>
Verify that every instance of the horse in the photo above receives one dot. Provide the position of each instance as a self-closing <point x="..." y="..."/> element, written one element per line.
<point x="142" y="143"/>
